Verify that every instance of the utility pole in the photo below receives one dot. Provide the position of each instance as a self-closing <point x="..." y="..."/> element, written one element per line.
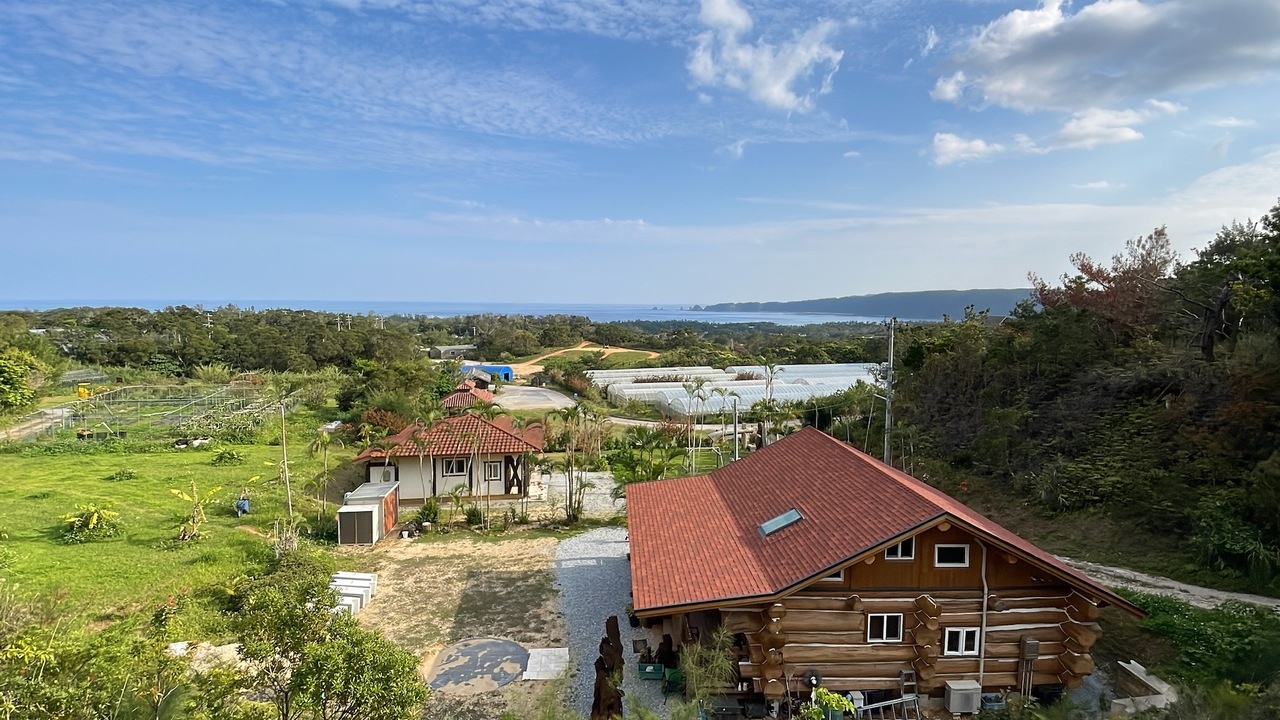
<point x="888" y="399"/>
<point x="735" y="428"/>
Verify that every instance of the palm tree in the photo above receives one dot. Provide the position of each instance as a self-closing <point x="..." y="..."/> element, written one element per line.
<point x="572" y="417"/>
<point x="424" y="444"/>
<point x="487" y="410"/>
<point x="696" y="394"/>
<point x="725" y="394"/>
<point x="321" y="444"/>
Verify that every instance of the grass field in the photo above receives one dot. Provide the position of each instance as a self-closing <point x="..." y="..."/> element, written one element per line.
<point x="143" y="566"/>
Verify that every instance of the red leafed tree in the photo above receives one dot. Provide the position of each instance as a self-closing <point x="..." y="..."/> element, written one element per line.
<point x="1127" y="294"/>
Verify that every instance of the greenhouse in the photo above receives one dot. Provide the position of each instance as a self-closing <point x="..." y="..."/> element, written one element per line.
<point x="720" y="388"/>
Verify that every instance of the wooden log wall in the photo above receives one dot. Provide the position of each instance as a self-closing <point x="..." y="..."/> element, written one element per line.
<point x="827" y="632"/>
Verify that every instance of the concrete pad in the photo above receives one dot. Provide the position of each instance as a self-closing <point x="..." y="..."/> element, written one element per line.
<point x="546" y="663"/>
<point x="477" y="665"/>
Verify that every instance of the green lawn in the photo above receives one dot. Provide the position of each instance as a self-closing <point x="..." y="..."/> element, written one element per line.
<point x="131" y="572"/>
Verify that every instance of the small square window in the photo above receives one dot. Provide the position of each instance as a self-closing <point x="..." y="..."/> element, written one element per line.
<point x="905" y="550"/>
<point x="956" y="556"/>
<point x="455" y="466"/>
<point x="493" y="470"/>
<point x="961" y="641"/>
<point x="837" y="576"/>
<point x="886" y="627"/>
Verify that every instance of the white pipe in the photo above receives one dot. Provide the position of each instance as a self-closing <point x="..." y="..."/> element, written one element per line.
<point x="982" y="634"/>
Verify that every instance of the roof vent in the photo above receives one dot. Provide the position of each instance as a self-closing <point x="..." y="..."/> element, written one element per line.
<point x="786" y="519"/>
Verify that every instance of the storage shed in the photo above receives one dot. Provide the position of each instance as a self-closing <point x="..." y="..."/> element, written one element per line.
<point x="369" y="513"/>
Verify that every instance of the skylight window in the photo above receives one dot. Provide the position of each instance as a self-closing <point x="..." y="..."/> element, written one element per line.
<point x="786" y="519"/>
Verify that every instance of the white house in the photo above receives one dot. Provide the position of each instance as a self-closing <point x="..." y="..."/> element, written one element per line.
<point x="487" y="458"/>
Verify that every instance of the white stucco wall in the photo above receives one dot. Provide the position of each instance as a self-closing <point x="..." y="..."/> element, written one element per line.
<point x="413" y="481"/>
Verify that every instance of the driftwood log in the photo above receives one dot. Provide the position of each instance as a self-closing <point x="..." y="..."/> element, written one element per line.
<point x="606" y="701"/>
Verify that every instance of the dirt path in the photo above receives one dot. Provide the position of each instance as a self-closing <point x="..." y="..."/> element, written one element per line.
<point x="532" y="366"/>
<point x="1141" y="582"/>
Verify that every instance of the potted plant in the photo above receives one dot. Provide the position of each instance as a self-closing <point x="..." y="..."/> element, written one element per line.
<point x="631" y="615"/>
<point x="831" y="706"/>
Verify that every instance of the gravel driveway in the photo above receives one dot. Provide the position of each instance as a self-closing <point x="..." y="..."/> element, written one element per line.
<point x="594" y="579"/>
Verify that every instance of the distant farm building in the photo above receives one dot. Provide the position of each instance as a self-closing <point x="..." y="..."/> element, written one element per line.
<point x="467" y="395"/>
<point x="449" y="352"/>
<point x="503" y="373"/>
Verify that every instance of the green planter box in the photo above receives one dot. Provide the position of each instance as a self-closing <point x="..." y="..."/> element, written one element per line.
<point x="651" y="671"/>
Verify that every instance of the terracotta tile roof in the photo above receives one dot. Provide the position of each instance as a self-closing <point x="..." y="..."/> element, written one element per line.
<point x="465" y="396"/>
<point x="697" y="539"/>
<point x="455" y="436"/>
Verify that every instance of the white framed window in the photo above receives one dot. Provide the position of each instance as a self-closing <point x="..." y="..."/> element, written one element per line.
<point x="951" y="556"/>
<point x="905" y="550"/>
<point x="884" y="627"/>
<point x="961" y="641"/>
<point x="493" y="470"/>
<point x="837" y="576"/>
<point x="454" y="466"/>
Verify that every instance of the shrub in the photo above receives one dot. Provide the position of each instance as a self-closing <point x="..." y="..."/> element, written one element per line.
<point x="473" y="514"/>
<point x="227" y="456"/>
<point x="89" y="523"/>
<point x="428" y="513"/>
<point x="121" y="475"/>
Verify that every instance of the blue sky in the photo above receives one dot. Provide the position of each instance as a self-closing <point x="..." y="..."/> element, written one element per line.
<point x="614" y="151"/>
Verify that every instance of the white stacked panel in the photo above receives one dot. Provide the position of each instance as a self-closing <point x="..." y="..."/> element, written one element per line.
<point x="354" y="590"/>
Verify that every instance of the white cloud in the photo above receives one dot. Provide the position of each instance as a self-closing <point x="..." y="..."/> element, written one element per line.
<point x="767" y="73"/>
<point x="852" y="154"/>
<point x="1096" y="126"/>
<point x="1113" y="50"/>
<point x="950" y="88"/>
<point x="1229" y="122"/>
<point x="949" y="148"/>
<point x="1096" y="185"/>
<point x="733" y="149"/>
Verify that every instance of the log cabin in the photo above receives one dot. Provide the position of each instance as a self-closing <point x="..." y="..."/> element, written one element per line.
<point x="821" y="558"/>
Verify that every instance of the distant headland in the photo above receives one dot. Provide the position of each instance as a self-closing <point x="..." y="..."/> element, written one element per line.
<point x="921" y="305"/>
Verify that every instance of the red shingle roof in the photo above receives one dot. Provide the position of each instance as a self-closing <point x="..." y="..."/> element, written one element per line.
<point x="697" y="539"/>
<point x="465" y="396"/>
<point x="460" y="435"/>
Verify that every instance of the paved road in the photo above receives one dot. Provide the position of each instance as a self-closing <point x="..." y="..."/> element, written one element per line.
<point x="1155" y="585"/>
<point x="523" y="397"/>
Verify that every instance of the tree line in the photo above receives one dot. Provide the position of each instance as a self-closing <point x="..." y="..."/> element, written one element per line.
<point x="1146" y="388"/>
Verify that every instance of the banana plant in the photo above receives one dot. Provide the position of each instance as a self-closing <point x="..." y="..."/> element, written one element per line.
<point x="197" y="516"/>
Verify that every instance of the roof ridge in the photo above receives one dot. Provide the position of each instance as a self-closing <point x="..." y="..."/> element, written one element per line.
<point x="499" y="428"/>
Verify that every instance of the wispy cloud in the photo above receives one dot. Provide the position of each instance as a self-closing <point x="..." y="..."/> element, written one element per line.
<point x="1097" y="185"/>
<point x="769" y="74"/>
<point x="1229" y="122"/>
<point x="210" y="86"/>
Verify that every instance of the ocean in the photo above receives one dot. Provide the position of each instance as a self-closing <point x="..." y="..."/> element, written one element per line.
<point x="598" y="312"/>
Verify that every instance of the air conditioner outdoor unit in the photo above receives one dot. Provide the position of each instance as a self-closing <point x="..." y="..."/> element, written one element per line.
<point x="963" y="696"/>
